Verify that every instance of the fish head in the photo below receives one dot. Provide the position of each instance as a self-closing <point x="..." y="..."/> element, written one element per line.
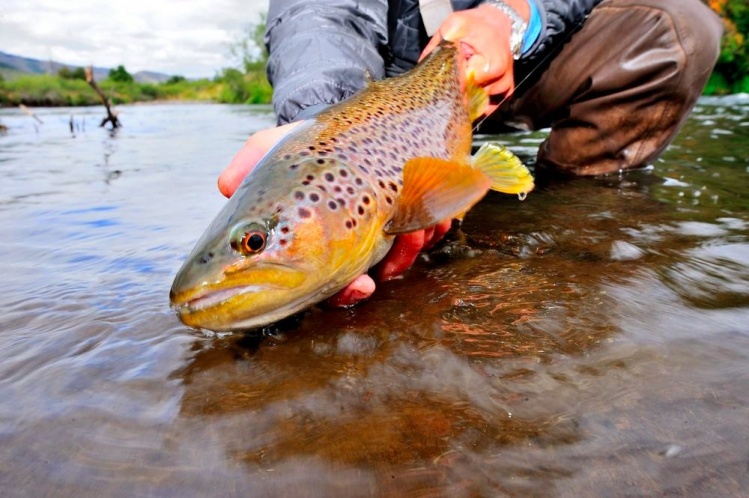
<point x="259" y="262"/>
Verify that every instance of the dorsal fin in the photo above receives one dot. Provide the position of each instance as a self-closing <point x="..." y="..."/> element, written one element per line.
<point x="477" y="97"/>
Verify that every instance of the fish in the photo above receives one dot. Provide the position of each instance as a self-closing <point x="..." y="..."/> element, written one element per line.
<point x="325" y="203"/>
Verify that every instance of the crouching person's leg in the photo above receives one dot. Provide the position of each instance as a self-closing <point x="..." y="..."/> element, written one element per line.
<point x="620" y="89"/>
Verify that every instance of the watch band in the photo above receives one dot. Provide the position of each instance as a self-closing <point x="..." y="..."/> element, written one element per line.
<point x="519" y="26"/>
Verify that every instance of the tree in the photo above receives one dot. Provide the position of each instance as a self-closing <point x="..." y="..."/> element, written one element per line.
<point x="120" y="75"/>
<point x="72" y="74"/>
<point x="249" y="49"/>
<point x="175" y="79"/>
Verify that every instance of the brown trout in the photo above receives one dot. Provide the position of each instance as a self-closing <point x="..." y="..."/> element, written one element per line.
<point x="324" y="204"/>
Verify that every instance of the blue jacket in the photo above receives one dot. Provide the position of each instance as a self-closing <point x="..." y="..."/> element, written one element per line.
<point x="321" y="51"/>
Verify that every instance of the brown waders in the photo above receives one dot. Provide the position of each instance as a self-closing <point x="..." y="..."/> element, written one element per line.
<point x="618" y="91"/>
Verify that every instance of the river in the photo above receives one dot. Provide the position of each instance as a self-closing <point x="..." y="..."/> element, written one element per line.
<point x="592" y="340"/>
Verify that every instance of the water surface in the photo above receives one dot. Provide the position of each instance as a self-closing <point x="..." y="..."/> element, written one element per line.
<point x="592" y="340"/>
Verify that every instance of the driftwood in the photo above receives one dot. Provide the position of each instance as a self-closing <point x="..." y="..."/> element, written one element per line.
<point x="111" y="114"/>
<point x="29" y="113"/>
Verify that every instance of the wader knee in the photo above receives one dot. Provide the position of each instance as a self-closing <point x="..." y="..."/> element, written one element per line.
<point x="618" y="92"/>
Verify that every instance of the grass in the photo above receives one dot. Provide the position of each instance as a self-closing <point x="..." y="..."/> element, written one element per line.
<point x="53" y="91"/>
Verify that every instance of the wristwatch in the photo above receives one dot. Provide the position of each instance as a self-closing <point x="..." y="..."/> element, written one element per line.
<point x="519" y="26"/>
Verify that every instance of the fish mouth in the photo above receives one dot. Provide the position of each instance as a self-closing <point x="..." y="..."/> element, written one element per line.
<point x="239" y="298"/>
<point x="210" y="298"/>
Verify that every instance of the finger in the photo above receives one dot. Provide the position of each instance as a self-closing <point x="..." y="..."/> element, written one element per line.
<point x="240" y="165"/>
<point x="501" y="89"/>
<point x="428" y="234"/>
<point x="359" y="289"/>
<point x="439" y="231"/>
<point x="433" y="43"/>
<point x="253" y="151"/>
<point x="402" y="255"/>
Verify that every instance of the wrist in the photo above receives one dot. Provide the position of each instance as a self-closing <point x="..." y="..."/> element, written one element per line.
<point x="518" y="13"/>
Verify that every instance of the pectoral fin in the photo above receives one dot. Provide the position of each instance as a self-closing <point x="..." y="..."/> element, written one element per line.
<point x="506" y="172"/>
<point x="434" y="190"/>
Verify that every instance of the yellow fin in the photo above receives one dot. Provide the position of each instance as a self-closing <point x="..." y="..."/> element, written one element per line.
<point x="434" y="190"/>
<point x="477" y="98"/>
<point x="504" y="169"/>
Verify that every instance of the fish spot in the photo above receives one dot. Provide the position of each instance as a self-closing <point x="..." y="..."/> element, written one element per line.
<point x="388" y="199"/>
<point x="282" y="242"/>
<point x="341" y="202"/>
<point x="349" y="225"/>
<point x="343" y="173"/>
<point x="337" y="189"/>
<point x="359" y="181"/>
<point x="314" y="197"/>
<point x="350" y="190"/>
<point x="284" y="229"/>
<point x="304" y="212"/>
<point x="299" y="195"/>
<point x="321" y="161"/>
<point x="329" y="177"/>
<point x="365" y="199"/>
<point x="332" y="205"/>
<point x="393" y="186"/>
<point x="360" y="210"/>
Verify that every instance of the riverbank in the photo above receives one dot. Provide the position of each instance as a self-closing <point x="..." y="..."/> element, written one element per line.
<point x="44" y="90"/>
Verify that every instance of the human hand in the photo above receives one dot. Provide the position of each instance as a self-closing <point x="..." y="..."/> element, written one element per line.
<point x="249" y="155"/>
<point x="400" y="257"/>
<point x="483" y="36"/>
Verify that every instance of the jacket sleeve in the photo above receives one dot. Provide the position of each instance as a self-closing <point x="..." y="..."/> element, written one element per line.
<point x="559" y="18"/>
<point x="321" y="51"/>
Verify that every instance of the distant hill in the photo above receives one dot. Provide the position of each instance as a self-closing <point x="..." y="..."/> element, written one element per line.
<point x="15" y="64"/>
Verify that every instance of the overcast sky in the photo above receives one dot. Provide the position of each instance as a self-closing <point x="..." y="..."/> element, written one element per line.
<point x="186" y="37"/>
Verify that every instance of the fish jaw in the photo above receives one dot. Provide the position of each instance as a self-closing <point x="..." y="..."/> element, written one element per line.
<point x="251" y="298"/>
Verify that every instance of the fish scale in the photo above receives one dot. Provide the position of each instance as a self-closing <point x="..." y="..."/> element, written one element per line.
<point x="324" y="204"/>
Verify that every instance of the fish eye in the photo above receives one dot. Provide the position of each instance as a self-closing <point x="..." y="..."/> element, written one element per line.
<point x="253" y="242"/>
<point x="249" y="240"/>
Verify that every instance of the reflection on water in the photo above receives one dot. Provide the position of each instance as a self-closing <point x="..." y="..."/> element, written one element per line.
<point x="591" y="340"/>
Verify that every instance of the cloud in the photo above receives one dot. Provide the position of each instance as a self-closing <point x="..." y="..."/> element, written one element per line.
<point x="187" y="37"/>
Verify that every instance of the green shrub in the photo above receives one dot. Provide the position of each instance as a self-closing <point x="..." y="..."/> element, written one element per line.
<point x="733" y="61"/>
<point x="120" y="75"/>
